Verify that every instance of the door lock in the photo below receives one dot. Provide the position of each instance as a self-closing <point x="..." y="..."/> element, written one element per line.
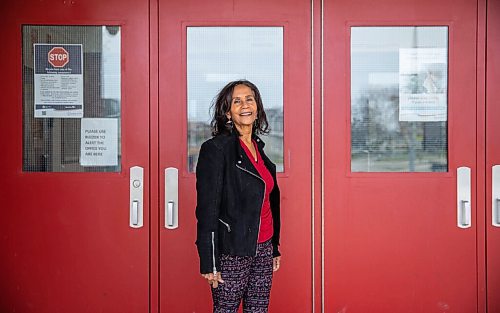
<point x="136" y="197"/>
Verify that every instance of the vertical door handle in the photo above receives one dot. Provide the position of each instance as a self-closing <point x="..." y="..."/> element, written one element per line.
<point x="136" y="197"/>
<point x="496" y="216"/>
<point x="171" y="198"/>
<point x="135" y="212"/>
<point x="170" y="213"/>
<point x="495" y="196"/>
<point x="465" y="214"/>
<point x="463" y="197"/>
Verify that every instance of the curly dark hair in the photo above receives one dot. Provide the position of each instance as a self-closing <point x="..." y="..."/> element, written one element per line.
<point x="222" y="104"/>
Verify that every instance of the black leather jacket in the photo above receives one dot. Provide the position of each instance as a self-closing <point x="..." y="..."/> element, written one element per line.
<point x="230" y="193"/>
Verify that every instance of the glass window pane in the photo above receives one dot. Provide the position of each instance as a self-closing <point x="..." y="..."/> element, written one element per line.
<point x="399" y="88"/>
<point x="217" y="55"/>
<point x="72" y="98"/>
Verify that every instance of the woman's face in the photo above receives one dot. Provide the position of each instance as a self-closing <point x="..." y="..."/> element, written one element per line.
<point x="243" y="110"/>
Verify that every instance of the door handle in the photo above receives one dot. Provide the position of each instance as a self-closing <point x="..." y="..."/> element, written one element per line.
<point x="495" y="196"/>
<point x="496" y="215"/>
<point x="171" y="198"/>
<point x="170" y="213"/>
<point x="136" y="197"/>
<point x="463" y="197"/>
<point x="135" y="212"/>
<point x="465" y="214"/>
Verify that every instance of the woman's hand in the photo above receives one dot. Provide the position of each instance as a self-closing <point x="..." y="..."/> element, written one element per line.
<point x="276" y="263"/>
<point x="213" y="279"/>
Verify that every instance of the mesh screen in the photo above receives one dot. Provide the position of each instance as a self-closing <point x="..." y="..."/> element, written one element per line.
<point x="218" y="55"/>
<point x="51" y="131"/>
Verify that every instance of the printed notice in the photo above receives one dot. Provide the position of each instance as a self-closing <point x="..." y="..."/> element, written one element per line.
<point x="58" y="80"/>
<point x="99" y="142"/>
<point x="423" y="84"/>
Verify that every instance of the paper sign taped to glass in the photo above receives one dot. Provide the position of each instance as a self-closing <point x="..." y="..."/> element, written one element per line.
<point x="58" y="80"/>
<point x="423" y="84"/>
<point x="99" y="142"/>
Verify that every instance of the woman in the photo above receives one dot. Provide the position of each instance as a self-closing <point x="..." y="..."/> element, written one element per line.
<point x="238" y="203"/>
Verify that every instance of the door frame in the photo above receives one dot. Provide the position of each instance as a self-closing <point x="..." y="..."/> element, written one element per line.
<point x="154" y="165"/>
<point x="481" y="202"/>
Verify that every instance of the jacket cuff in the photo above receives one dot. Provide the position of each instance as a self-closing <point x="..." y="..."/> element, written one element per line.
<point x="208" y="252"/>
<point x="276" y="251"/>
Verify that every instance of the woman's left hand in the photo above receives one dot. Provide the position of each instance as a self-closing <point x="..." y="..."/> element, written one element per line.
<point x="276" y="263"/>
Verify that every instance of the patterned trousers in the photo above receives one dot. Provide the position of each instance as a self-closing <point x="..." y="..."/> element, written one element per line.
<point x="246" y="278"/>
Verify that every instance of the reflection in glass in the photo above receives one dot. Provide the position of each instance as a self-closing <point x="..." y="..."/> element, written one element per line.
<point x="53" y="144"/>
<point x="399" y="88"/>
<point x="217" y="55"/>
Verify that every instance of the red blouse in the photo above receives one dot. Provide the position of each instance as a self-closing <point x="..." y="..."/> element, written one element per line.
<point x="266" y="218"/>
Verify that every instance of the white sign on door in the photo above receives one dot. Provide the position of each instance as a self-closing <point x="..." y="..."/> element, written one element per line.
<point x="99" y="142"/>
<point x="423" y="84"/>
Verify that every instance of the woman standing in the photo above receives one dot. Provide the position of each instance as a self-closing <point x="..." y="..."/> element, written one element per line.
<point x="238" y="203"/>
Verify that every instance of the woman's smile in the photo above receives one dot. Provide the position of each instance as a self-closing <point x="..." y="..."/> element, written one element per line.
<point x="243" y="110"/>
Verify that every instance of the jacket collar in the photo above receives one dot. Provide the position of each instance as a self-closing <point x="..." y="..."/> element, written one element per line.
<point x="260" y="143"/>
<point x="242" y="159"/>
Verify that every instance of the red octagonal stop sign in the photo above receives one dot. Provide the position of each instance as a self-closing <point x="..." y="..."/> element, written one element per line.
<point x="58" y="57"/>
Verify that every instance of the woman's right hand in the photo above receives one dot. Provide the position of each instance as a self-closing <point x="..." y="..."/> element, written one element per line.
<point x="213" y="279"/>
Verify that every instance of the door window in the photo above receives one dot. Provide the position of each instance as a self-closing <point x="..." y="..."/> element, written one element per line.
<point x="71" y="98"/>
<point x="399" y="106"/>
<point x="217" y="55"/>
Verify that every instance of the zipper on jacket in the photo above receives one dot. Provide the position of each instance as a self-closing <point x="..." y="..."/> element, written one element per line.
<point x="257" y="244"/>
<point x="261" y="204"/>
<point x="227" y="225"/>
<point x="213" y="253"/>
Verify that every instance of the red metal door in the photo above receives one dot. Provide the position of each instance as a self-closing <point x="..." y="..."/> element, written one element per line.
<point x="492" y="157"/>
<point x="66" y="241"/>
<point x="391" y="238"/>
<point x="181" y="287"/>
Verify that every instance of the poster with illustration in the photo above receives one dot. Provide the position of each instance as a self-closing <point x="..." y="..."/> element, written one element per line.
<point x="423" y="84"/>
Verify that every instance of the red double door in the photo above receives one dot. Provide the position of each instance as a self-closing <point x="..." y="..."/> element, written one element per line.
<point x="71" y="244"/>
<point x="354" y="239"/>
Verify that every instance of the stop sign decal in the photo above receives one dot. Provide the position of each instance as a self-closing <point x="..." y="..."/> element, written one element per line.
<point x="58" y="57"/>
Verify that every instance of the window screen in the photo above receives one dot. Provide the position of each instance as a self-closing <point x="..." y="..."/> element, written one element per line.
<point x="218" y="55"/>
<point x="71" y="98"/>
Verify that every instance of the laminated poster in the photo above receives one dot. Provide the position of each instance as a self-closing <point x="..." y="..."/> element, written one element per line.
<point x="58" y="80"/>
